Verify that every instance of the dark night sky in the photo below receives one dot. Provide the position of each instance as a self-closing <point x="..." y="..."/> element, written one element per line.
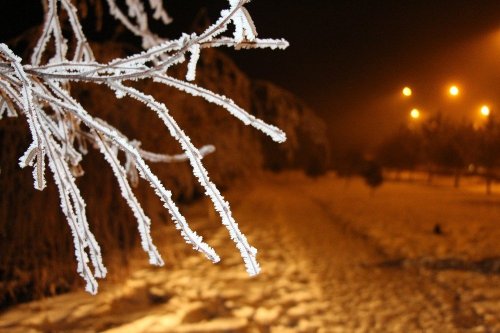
<point x="349" y="59"/>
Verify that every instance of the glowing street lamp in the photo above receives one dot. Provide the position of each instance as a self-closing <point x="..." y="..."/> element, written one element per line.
<point x="407" y="91"/>
<point x="485" y="111"/>
<point x="415" y="114"/>
<point x="454" y="91"/>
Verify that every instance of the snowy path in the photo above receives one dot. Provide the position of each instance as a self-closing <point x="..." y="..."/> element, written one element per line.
<point x="324" y="270"/>
<point x="364" y="296"/>
<point x="374" y="287"/>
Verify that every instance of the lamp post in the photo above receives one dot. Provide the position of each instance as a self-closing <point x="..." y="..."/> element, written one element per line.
<point x="415" y="114"/>
<point x="454" y="91"/>
<point x="489" y="145"/>
<point x="483" y="116"/>
<point x="407" y="92"/>
<point x="485" y="111"/>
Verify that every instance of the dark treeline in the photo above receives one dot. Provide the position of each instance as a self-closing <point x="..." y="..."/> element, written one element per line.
<point x="436" y="145"/>
<point x="439" y="145"/>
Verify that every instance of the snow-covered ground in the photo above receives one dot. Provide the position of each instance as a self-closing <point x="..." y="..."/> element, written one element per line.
<point x="335" y="258"/>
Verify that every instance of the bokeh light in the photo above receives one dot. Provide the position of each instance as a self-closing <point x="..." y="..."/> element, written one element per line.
<point x="454" y="91"/>
<point x="407" y="91"/>
<point x="485" y="111"/>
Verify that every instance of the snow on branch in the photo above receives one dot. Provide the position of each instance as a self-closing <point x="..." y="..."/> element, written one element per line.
<point x="61" y="128"/>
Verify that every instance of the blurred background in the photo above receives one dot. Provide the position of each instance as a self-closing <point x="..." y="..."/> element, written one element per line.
<point x="379" y="213"/>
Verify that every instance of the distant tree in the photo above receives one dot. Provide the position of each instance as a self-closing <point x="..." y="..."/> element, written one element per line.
<point x="487" y="152"/>
<point x="446" y="146"/>
<point x="452" y="148"/>
<point x="307" y="145"/>
<point x="401" y="151"/>
<point x="62" y="129"/>
<point x="349" y="163"/>
<point x="430" y="132"/>
<point x="314" y="149"/>
<point x="372" y="174"/>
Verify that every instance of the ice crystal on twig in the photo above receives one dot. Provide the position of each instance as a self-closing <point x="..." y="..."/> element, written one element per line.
<point x="40" y="91"/>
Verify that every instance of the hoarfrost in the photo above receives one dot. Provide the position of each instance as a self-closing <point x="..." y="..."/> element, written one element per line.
<point x="61" y="129"/>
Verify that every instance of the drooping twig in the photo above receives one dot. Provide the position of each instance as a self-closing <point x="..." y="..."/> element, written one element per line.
<point x="40" y="92"/>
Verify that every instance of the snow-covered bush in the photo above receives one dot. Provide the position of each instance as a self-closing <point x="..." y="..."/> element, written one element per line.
<point x="61" y="128"/>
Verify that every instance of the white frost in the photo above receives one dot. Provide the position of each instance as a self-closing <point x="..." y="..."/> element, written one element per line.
<point x="61" y="129"/>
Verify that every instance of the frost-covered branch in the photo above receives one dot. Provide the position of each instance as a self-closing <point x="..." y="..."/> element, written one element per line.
<point x="40" y="91"/>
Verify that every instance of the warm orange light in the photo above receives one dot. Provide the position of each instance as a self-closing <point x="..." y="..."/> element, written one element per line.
<point x="407" y="91"/>
<point x="454" y="91"/>
<point x="485" y="111"/>
<point x="415" y="114"/>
